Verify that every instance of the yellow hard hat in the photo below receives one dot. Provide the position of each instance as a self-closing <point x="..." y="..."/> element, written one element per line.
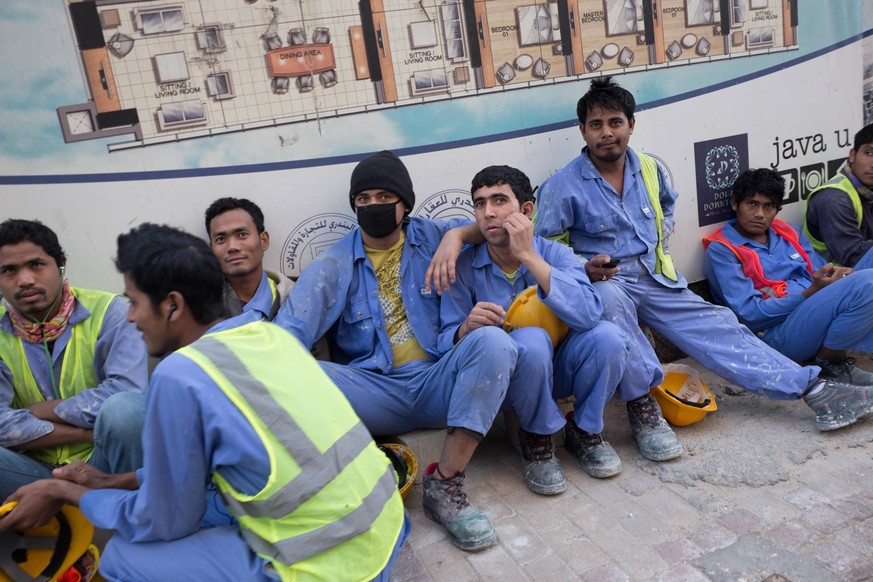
<point x="528" y="311"/>
<point x="405" y="464"/>
<point x="48" y="551"/>
<point x="684" y="398"/>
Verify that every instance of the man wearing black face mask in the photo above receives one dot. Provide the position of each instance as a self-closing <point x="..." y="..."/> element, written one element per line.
<point x="368" y="293"/>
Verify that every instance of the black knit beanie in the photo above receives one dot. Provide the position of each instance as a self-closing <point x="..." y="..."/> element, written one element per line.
<point x="384" y="171"/>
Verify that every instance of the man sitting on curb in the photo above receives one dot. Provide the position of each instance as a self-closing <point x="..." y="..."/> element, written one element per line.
<point x="839" y="214"/>
<point x="72" y="370"/>
<point x="238" y="403"/>
<point x="368" y="291"/>
<point x="769" y="275"/>
<point x="237" y="237"/>
<point x="588" y="363"/>
<point x="612" y="200"/>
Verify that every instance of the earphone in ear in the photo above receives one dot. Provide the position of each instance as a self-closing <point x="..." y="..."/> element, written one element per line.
<point x="170" y="311"/>
<point x="63" y="270"/>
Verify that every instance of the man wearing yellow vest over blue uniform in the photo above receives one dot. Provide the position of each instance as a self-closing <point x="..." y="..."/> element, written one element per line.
<point x="72" y="370"/>
<point x="615" y="202"/>
<point x="241" y="404"/>
<point x="239" y="240"/>
<point x="839" y="214"/>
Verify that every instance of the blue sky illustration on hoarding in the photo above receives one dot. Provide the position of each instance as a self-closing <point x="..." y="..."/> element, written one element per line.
<point x="41" y="72"/>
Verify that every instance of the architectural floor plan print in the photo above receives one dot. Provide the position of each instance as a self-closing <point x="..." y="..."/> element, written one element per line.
<point x="160" y="71"/>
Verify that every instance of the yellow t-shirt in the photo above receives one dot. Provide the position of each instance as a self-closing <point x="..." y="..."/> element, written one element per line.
<point x="386" y="263"/>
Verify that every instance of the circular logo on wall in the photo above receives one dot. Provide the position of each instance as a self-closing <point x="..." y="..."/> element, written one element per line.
<point x="446" y="205"/>
<point x="312" y="237"/>
<point x="722" y="167"/>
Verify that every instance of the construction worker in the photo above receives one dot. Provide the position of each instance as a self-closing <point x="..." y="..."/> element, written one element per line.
<point x="72" y="370"/>
<point x="839" y="214"/>
<point x="239" y="403"/>
<point x="588" y="363"/>
<point x="368" y="292"/>
<point x="239" y="240"/>
<point x="768" y="274"/>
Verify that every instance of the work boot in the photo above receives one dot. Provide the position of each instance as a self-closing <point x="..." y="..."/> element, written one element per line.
<point x="844" y="371"/>
<point x="654" y="437"/>
<point x="543" y="473"/>
<point x="445" y="502"/>
<point x="596" y="456"/>
<point x="838" y="404"/>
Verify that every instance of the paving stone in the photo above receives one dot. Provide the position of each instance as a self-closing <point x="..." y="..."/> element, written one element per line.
<point x="672" y="509"/>
<point x="495" y="564"/>
<point x="741" y="521"/>
<point x="550" y="567"/>
<point x="835" y="556"/>
<point x="408" y="567"/>
<point x="767" y="506"/>
<point x="754" y="557"/>
<point x="677" y="550"/>
<point x="858" y="536"/>
<point x="712" y="537"/>
<point x="789" y="534"/>
<point x="638" y="485"/>
<point x="680" y="573"/>
<point x="806" y="498"/>
<point x="444" y="561"/>
<point x="605" y="574"/>
<point x="521" y="540"/>
<point x="825" y="519"/>
<point x="574" y="548"/>
<point x="857" y="507"/>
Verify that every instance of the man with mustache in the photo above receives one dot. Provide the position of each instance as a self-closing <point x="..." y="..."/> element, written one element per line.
<point x="768" y="274"/>
<point x="72" y="370"/>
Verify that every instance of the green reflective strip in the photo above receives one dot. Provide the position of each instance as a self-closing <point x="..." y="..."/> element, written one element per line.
<point x="317" y="469"/>
<point x="298" y="548"/>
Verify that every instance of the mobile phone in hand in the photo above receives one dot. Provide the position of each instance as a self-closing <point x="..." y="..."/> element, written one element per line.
<point x="613" y="263"/>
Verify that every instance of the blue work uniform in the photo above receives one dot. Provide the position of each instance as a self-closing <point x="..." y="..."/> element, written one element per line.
<point x="338" y="293"/>
<point x="839" y="317"/>
<point x="589" y="362"/>
<point x="599" y="219"/>
<point x="118" y="400"/>
<point x="192" y="430"/>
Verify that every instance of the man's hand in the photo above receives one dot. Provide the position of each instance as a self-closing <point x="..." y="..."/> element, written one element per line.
<point x="441" y="271"/>
<point x="483" y="314"/>
<point x="596" y="271"/>
<point x="521" y="232"/>
<point x="45" y="410"/>
<point x="38" y="502"/>
<point x="84" y="474"/>
<point x="826" y="275"/>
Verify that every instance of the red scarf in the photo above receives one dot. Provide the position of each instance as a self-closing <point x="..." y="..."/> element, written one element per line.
<point x="37" y="332"/>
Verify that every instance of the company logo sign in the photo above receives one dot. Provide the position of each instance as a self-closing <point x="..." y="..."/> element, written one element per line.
<point x="718" y="163"/>
<point x="312" y="237"/>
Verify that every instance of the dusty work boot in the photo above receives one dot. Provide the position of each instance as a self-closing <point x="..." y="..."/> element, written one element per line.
<point x="543" y="472"/>
<point x="654" y="437"/>
<point x="844" y="371"/>
<point x="596" y="456"/>
<point x="445" y="502"/>
<point x="837" y="404"/>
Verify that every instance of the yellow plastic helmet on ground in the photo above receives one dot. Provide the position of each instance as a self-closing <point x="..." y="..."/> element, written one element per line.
<point x="528" y="311"/>
<point x="405" y="464"/>
<point x="684" y="398"/>
<point x="46" y="552"/>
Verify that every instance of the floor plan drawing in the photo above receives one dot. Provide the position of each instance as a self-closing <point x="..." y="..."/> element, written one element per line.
<point x="158" y="71"/>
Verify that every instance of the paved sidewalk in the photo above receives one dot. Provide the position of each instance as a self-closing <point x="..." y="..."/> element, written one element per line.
<point x="759" y="494"/>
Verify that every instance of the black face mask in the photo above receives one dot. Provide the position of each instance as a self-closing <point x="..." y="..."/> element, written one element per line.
<point x="378" y="220"/>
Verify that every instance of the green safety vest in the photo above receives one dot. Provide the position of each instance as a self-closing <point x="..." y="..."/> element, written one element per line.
<point x="663" y="260"/>
<point x="330" y="509"/>
<point x="77" y="370"/>
<point x="839" y="182"/>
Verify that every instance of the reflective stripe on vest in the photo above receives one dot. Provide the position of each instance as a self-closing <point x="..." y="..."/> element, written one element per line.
<point x="663" y="260"/>
<point x="838" y="182"/>
<point x="751" y="262"/>
<point x="351" y="483"/>
<point x="77" y="369"/>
